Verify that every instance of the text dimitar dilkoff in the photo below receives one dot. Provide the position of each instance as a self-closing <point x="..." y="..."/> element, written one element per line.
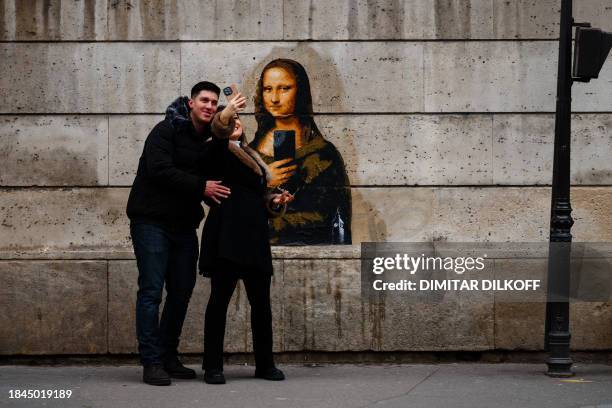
<point x="458" y="285"/>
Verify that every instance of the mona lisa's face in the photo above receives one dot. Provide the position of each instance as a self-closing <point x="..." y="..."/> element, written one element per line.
<point x="279" y="92"/>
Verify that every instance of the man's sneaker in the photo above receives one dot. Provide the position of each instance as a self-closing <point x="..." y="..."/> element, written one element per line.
<point x="214" y="377"/>
<point x="176" y="369"/>
<point x="154" y="374"/>
<point x="271" y="373"/>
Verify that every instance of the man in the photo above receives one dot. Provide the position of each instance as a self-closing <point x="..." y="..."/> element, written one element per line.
<point x="165" y="210"/>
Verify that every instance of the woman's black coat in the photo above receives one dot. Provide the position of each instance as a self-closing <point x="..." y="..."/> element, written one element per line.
<point x="237" y="229"/>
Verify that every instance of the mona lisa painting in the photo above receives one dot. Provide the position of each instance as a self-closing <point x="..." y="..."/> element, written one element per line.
<point x="300" y="160"/>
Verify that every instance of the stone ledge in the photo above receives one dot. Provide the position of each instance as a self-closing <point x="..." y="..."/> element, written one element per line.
<point x="278" y="252"/>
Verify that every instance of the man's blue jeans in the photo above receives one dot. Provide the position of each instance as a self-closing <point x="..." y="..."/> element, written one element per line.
<point x="168" y="256"/>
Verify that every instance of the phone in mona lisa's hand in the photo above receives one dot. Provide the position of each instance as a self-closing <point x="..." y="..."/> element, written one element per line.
<point x="284" y="144"/>
<point x="230" y="92"/>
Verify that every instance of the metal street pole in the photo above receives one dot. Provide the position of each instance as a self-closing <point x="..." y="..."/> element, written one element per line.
<point x="557" y="334"/>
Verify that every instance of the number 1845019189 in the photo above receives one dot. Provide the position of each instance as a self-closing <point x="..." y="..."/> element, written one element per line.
<point x="40" y="394"/>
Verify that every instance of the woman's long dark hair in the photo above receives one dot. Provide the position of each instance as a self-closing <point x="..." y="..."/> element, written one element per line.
<point x="303" y="102"/>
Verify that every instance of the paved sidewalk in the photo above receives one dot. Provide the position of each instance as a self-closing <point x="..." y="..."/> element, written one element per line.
<point x="385" y="386"/>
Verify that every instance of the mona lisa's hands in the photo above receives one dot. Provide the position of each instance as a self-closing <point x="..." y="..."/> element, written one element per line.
<point x="280" y="173"/>
<point x="283" y="198"/>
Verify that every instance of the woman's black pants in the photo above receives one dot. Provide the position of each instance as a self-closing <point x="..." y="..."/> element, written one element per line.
<point x="222" y="287"/>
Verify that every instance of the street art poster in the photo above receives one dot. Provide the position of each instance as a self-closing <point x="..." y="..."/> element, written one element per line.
<point x="301" y="160"/>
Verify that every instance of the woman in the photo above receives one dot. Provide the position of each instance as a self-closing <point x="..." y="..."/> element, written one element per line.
<point x="321" y="212"/>
<point x="235" y="244"/>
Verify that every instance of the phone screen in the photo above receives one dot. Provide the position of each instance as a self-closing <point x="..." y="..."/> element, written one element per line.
<point x="284" y="144"/>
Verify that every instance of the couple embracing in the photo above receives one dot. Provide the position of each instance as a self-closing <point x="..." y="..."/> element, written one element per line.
<point x="199" y="154"/>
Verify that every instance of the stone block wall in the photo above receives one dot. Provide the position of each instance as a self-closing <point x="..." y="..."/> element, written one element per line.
<point x="442" y="110"/>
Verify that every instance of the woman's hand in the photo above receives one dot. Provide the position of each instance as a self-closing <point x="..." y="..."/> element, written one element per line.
<point x="280" y="174"/>
<point x="235" y="106"/>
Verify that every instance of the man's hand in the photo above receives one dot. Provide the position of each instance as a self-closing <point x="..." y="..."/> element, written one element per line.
<point x="280" y="174"/>
<point x="215" y="190"/>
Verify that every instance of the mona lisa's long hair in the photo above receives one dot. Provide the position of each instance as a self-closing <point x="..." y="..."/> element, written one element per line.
<point x="303" y="102"/>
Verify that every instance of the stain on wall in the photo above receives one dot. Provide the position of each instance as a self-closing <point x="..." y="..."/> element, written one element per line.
<point x="452" y="18"/>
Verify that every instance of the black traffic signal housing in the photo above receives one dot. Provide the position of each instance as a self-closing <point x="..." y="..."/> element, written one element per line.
<point x="590" y="52"/>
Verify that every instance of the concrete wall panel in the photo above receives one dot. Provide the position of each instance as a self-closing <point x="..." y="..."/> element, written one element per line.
<point x="517" y="214"/>
<point x="88" y="78"/>
<point x="340" y="73"/>
<point x="377" y="149"/>
<point x="425" y="149"/>
<point x="195" y="20"/>
<point x="144" y="78"/>
<point x="473" y="214"/>
<point x="143" y="20"/>
<point x="64" y="219"/>
<point x="341" y="20"/>
<point x="292" y="20"/>
<point x="590" y="325"/>
<point x="492" y="214"/>
<point x="122" y="287"/>
<point x="53" y="307"/>
<point x="414" y="149"/>
<point x="453" y="214"/>
<point x="529" y="19"/>
<point x="54" y="150"/>
<point x="393" y="214"/>
<point x="503" y="77"/>
<point x="94" y="219"/>
<point x="323" y="308"/>
<point x="458" y="322"/>
<point x="424" y="19"/>
<point x="591" y="147"/>
<point x="57" y="20"/>
<point x="591" y="212"/>
<point x="520" y="326"/>
<point x="490" y="77"/>
<point x="205" y="20"/>
<point x="126" y="142"/>
<point x="523" y="149"/>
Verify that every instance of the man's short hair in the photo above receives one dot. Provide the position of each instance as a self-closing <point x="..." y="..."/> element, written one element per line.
<point x="204" y="86"/>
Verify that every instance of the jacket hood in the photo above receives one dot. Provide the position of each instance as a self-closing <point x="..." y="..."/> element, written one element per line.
<point x="178" y="111"/>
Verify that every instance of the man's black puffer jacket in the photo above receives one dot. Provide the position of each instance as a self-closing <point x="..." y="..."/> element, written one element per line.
<point x="169" y="184"/>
